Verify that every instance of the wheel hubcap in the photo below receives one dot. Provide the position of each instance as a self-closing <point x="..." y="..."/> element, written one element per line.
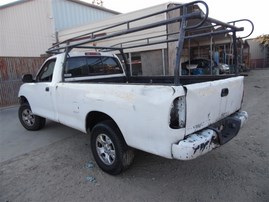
<point x="28" y="117"/>
<point x="105" y="149"/>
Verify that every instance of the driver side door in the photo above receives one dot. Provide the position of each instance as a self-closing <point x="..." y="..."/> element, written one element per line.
<point x="43" y="90"/>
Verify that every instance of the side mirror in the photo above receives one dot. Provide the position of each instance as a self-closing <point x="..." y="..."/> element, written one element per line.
<point x="27" y="78"/>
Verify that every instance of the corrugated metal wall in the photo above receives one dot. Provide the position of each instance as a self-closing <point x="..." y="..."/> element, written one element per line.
<point x="26" y="29"/>
<point x="258" y="63"/>
<point x="11" y="71"/>
<point x="69" y="14"/>
<point x="256" y="51"/>
<point x="259" y="56"/>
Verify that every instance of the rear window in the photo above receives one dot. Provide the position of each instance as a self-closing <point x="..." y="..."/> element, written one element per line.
<point x="91" y="66"/>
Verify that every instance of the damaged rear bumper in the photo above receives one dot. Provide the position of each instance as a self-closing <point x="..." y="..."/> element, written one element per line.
<point x="203" y="141"/>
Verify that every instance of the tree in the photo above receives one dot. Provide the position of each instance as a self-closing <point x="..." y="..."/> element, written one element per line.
<point x="263" y="40"/>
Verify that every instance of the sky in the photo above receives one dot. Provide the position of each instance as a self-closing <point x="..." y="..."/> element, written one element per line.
<point x="225" y="10"/>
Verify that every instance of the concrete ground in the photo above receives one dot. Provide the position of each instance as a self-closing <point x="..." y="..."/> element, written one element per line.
<point x="56" y="164"/>
<point x="15" y="140"/>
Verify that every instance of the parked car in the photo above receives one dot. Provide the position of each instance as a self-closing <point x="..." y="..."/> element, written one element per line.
<point x="224" y="68"/>
<point x="198" y="66"/>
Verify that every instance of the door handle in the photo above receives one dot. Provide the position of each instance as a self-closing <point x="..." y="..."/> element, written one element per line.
<point x="224" y="92"/>
<point x="47" y="89"/>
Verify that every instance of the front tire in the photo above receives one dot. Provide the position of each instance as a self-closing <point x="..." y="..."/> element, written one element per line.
<point x="109" y="149"/>
<point x="28" y="120"/>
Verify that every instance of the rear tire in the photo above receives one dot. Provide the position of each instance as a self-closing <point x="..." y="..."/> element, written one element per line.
<point x="28" y="120"/>
<point x="109" y="149"/>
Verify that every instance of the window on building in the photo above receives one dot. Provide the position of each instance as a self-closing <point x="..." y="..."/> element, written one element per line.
<point x="136" y="64"/>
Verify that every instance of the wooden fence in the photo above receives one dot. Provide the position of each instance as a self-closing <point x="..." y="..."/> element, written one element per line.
<point x="11" y="71"/>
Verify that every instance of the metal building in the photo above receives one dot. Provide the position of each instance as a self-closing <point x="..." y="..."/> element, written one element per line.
<point x="30" y="27"/>
<point x="259" y="54"/>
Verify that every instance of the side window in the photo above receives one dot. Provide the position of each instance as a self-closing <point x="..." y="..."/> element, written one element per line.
<point x="111" y="65"/>
<point x="46" y="73"/>
<point x="91" y="66"/>
<point x="76" y="67"/>
<point x="95" y="66"/>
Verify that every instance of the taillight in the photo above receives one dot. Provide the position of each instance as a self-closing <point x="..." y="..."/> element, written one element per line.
<point x="178" y="113"/>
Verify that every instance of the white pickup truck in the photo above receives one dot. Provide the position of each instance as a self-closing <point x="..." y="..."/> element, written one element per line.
<point x="91" y="94"/>
<point x="176" y="117"/>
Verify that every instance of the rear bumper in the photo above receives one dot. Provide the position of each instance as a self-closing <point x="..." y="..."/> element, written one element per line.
<point x="203" y="141"/>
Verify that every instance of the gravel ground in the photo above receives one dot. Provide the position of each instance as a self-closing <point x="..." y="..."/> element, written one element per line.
<point x="65" y="170"/>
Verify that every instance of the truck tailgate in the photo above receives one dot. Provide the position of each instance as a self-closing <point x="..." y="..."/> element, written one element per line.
<point x="212" y="101"/>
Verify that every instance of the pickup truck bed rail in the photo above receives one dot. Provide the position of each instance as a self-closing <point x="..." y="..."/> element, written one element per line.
<point x="169" y="80"/>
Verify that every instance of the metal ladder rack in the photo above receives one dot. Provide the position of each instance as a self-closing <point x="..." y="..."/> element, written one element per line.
<point x="193" y="23"/>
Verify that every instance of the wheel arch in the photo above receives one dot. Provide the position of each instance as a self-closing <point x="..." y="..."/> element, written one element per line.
<point x="95" y="117"/>
<point x="23" y="100"/>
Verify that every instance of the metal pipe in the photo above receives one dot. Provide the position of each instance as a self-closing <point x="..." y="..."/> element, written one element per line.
<point x="137" y="29"/>
<point x="177" y="70"/>
<point x="64" y="63"/>
<point x="223" y="24"/>
<point x="127" y="23"/>
<point x="126" y="65"/>
<point x="211" y="54"/>
<point x="242" y="20"/>
<point x="176" y="39"/>
<point x="235" y="53"/>
<point x="130" y="64"/>
<point x="163" y="59"/>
